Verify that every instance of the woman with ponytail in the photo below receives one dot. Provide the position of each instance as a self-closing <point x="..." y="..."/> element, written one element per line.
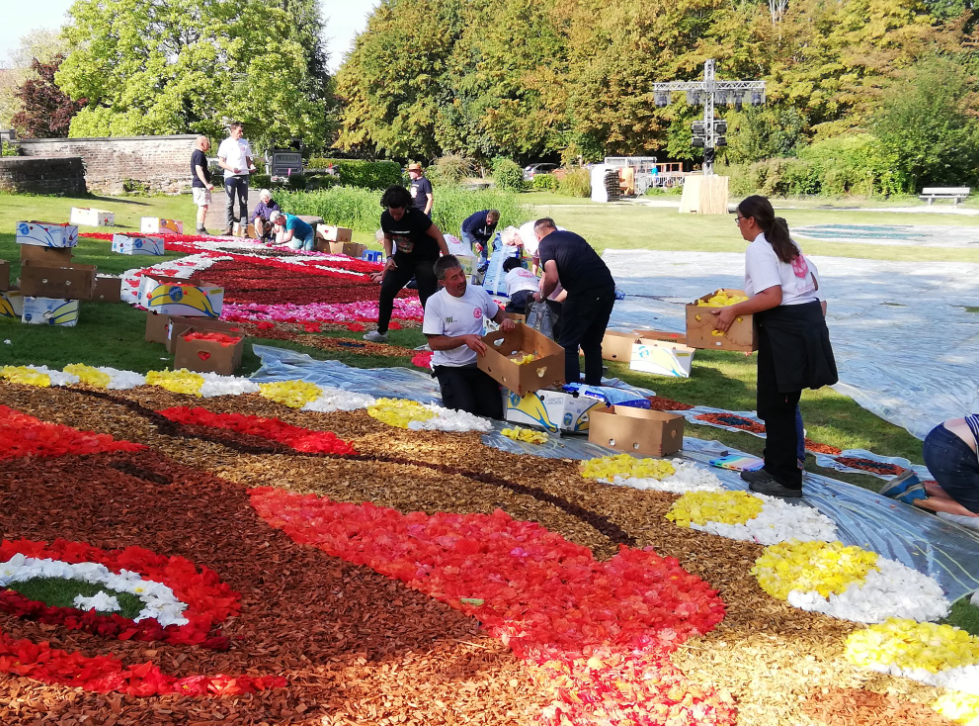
<point x="794" y="351"/>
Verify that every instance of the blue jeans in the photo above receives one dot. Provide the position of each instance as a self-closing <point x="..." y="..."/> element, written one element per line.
<point x="800" y="432"/>
<point x="954" y="465"/>
<point x="307" y="244"/>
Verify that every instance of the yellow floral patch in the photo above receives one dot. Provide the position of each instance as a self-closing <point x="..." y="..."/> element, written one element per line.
<point x="182" y="381"/>
<point x="962" y="708"/>
<point x="628" y="467"/>
<point x="721" y="300"/>
<point x="294" y="394"/>
<point x="25" y="376"/>
<point x="89" y="376"/>
<point x="824" y="567"/>
<point x="909" y="644"/>
<point x="530" y="436"/>
<point x="723" y="507"/>
<point x="399" y="412"/>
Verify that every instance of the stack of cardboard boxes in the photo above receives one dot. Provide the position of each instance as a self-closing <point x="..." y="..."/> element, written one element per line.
<point x="51" y="287"/>
<point x="337" y="241"/>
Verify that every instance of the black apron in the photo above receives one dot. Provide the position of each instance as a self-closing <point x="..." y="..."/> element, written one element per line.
<point x="801" y="350"/>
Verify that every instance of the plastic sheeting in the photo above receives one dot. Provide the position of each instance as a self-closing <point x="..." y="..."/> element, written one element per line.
<point x="897" y="531"/>
<point x="905" y="346"/>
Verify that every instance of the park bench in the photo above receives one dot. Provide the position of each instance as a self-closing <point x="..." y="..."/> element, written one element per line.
<point x="956" y="194"/>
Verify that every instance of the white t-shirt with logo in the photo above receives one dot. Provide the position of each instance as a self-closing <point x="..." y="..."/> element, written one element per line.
<point x="452" y="316"/>
<point x="519" y="279"/>
<point x="763" y="269"/>
<point x="235" y="153"/>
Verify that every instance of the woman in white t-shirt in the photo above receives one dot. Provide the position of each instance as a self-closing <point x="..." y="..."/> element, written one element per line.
<point x="794" y="351"/>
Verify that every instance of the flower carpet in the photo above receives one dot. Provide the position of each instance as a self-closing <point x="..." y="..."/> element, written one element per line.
<point x="304" y="556"/>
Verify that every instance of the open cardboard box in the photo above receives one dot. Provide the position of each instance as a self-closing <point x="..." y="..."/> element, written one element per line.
<point x="180" y="296"/>
<point x="502" y="347"/>
<point x="68" y="282"/>
<point x="743" y="335"/>
<point x="11" y="304"/>
<point x="158" y="225"/>
<point x="4" y="275"/>
<point x="552" y="410"/>
<point x="637" y="430"/>
<point x="107" y="289"/>
<point x="137" y="244"/>
<point x="618" y="346"/>
<point x="91" y="217"/>
<point x="47" y="234"/>
<point x="46" y="255"/>
<point x="207" y="356"/>
<point x="332" y="233"/>
<point x="176" y="326"/>
<point x="50" y="311"/>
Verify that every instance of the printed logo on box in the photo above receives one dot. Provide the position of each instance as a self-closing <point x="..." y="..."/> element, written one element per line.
<point x="50" y="311"/>
<point x="47" y="234"/>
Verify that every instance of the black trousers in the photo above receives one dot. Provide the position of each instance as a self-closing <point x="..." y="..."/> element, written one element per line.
<point x="469" y="389"/>
<point x="394" y="280"/>
<point x="518" y="303"/>
<point x="777" y="409"/>
<point x="584" y="317"/>
<point x="236" y="186"/>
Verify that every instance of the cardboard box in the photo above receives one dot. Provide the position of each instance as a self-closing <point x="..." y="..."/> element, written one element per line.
<point x="663" y="335"/>
<point x="551" y="410"/>
<point x="137" y="244"/>
<point x="618" y="346"/>
<point x="107" y="289"/>
<point x="177" y="325"/>
<point x="50" y="311"/>
<point x="742" y="336"/>
<point x="68" y="282"/>
<point x="501" y="347"/>
<point x="92" y="217"/>
<point x="516" y="317"/>
<point x="206" y="356"/>
<point x="4" y="275"/>
<point x="239" y="229"/>
<point x="11" y="304"/>
<point x="158" y="225"/>
<point x="331" y="233"/>
<point x="637" y="430"/>
<point x="156" y="327"/>
<point x="469" y="263"/>
<point x="350" y="249"/>
<point x="47" y="234"/>
<point x="46" y="255"/>
<point x="179" y="296"/>
<point x="662" y="358"/>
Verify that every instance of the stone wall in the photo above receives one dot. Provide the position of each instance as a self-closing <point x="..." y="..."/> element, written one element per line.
<point x="154" y="163"/>
<point x="64" y="176"/>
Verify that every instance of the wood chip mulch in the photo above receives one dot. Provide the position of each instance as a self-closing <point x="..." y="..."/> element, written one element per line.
<point x="852" y="707"/>
<point x="772" y="657"/>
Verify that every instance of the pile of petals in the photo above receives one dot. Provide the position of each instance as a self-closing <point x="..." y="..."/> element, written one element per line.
<point x="40" y="376"/>
<point x="598" y="634"/>
<point x="221" y="339"/>
<point x="847" y="582"/>
<point x="103" y="377"/>
<point x="881" y="468"/>
<point x="336" y="399"/>
<point x="365" y="311"/>
<point x="750" y="517"/>
<point x="721" y="299"/>
<point x="23" y="435"/>
<point x="300" y="439"/>
<point x="406" y="414"/>
<point x="294" y="394"/>
<point x="677" y="476"/>
<point x="959" y="707"/>
<point x="423" y="359"/>
<point x="529" y="436"/>
<point x="182" y="603"/>
<point x="202" y="385"/>
<point x="940" y="655"/>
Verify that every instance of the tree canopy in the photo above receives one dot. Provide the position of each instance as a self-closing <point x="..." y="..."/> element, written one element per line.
<point x="178" y="66"/>
<point x="46" y="110"/>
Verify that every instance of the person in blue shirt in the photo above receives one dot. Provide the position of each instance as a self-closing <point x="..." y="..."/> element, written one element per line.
<point x="295" y="233"/>
<point x="477" y="231"/>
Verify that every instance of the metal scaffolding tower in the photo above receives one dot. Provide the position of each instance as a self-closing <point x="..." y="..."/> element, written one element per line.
<point x="711" y="93"/>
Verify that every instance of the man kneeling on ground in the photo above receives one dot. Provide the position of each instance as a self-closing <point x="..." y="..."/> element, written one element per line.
<point x="454" y="326"/>
<point x="296" y="234"/>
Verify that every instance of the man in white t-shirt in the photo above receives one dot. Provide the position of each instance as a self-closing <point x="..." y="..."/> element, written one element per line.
<point x="235" y="157"/>
<point x="454" y="328"/>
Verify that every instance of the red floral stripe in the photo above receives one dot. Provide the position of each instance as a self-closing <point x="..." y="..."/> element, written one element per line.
<point x="273" y="429"/>
<point x="23" y="435"/>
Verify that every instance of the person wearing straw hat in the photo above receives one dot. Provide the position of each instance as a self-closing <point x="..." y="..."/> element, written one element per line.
<point x="421" y="189"/>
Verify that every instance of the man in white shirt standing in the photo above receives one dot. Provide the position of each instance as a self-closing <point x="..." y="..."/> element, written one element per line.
<point x="235" y="157"/>
<point x="454" y="327"/>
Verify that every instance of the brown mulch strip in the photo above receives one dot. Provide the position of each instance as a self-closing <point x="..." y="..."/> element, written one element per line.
<point x="852" y="707"/>
<point x="770" y="655"/>
<point x="357" y="346"/>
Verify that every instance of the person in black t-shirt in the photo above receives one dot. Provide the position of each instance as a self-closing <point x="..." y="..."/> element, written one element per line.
<point x="567" y="258"/>
<point x="200" y="180"/>
<point x="421" y="190"/>
<point x="412" y="244"/>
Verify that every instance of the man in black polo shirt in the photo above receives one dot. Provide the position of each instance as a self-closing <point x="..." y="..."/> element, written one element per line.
<point x="567" y="258"/>
<point x="412" y="244"/>
<point x="200" y="180"/>
<point x="421" y="189"/>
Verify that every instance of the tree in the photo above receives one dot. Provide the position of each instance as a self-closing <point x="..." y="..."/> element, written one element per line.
<point x="43" y="45"/>
<point x="178" y="66"/>
<point x="46" y="111"/>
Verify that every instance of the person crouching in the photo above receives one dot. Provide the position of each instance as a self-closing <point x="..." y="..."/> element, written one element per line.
<point x="521" y="284"/>
<point x="454" y="326"/>
<point x="296" y="234"/>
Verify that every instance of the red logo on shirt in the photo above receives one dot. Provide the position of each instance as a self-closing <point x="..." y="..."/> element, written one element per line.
<point x="477" y="312"/>
<point x="800" y="267"/>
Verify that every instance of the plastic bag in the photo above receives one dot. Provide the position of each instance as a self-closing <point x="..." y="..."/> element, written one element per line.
<point x="539" y="318"/>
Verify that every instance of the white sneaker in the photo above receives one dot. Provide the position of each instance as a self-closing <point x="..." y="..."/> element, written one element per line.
<point x="375" y="337"/>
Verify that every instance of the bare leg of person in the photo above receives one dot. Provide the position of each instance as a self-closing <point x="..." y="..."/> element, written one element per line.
<point x="943" y="504"/>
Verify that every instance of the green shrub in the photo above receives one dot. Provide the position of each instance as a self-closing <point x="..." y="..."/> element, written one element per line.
<point x="360" y="173"/>
<point x="545" y="183"/>
<point x="576" y="183"/>
<point x="360" y="208"/>
<point x="507" y="174"/>
<point x="8" y="149"/>
<point x="450" y="169"/>
<point x="296" y="181"/>
<point x="259" y="181"/>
